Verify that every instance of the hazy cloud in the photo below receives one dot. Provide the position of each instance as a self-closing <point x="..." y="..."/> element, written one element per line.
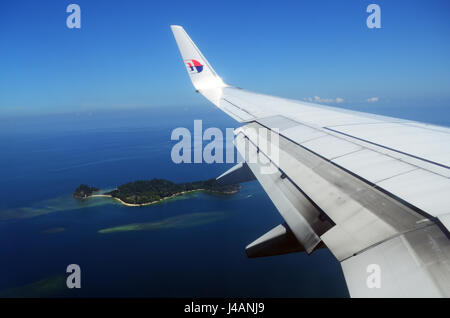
<point x="372" y="100"/>
<point x="317" y="99"/>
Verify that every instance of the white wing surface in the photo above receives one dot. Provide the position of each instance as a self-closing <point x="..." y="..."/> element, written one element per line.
<point x="375" y="190"/>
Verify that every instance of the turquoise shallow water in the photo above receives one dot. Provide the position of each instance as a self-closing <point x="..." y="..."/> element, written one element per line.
<point x="189" y="246"/>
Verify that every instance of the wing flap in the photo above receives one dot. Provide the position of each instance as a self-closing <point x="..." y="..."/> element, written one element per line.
<point x="279" y="240"/>
<point x="363" y="216"/>
<point x="300" y="214"/>
<point x="414" y="264"/>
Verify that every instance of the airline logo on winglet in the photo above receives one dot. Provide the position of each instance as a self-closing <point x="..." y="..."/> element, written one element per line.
<point x="194" y="66"/>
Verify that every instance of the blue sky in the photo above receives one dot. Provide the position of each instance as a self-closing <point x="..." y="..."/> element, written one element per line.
<point x="124" y="56"/>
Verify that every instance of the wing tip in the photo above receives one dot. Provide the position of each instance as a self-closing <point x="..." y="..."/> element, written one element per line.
<point x="176" y="26"/>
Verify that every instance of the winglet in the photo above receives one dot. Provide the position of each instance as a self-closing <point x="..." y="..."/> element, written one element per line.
<point x="200" y="71"/>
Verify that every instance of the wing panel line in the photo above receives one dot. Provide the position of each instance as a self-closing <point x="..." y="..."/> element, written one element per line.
<point x="388" y="148"/>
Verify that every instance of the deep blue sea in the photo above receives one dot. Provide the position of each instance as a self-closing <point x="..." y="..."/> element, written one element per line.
<point x="196" y="246"/>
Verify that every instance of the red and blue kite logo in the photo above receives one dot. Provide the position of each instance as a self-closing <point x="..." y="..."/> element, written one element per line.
<point x="194" y="66"/>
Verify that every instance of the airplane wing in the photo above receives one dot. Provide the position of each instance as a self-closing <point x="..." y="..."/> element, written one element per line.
<point x="374" y="190"/>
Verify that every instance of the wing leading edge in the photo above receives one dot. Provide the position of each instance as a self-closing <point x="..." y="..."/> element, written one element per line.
<point x="373" y="189"/>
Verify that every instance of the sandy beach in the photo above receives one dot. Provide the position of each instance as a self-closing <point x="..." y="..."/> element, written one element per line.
<point x="142" y="204"/>
<point x="153" y="202"/>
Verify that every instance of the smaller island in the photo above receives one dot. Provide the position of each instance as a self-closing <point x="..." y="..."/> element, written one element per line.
<point x="145" y="192"/>
<point x="84" y="191"/>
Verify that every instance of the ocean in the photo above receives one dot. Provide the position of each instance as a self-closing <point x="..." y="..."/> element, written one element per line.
<point x="192" y="246"/>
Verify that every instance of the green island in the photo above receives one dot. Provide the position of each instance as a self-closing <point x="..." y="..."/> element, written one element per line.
<point x="146" y="192"/>
<point x="84" y="191"/>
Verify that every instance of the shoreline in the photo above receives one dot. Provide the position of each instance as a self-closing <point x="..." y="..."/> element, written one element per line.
<point x="153" y="202"/>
